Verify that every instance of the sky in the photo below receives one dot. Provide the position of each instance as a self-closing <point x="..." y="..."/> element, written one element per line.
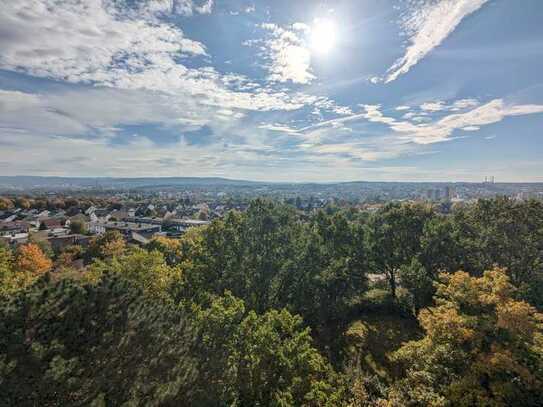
<point x="282" y="90"/>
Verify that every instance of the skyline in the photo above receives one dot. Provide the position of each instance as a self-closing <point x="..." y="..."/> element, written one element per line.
<point x="312" y="91"/>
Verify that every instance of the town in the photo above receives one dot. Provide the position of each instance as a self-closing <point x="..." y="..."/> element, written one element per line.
<point x="59" y="215"/>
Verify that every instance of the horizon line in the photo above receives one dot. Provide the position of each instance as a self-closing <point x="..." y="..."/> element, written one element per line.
<point x="267" y="182"/>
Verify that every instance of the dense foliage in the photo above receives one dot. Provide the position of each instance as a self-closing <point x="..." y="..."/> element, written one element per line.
<point x="481" y="346"/>
<point x="402" y="306"/>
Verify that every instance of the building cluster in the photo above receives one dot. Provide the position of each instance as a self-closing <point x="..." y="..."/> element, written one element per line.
<point x="446" y="193"/>
<point x="62" y="228"/>
<point x="140" y="215"/>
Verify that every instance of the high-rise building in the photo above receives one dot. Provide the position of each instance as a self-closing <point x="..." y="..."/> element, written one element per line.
<point x="448" y="193"/>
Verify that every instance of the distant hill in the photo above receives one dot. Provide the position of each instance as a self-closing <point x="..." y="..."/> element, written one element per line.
<point x="344" y="190"/>
<point x="29" y="182"/>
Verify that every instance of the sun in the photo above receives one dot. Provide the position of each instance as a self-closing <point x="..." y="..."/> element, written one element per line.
<point x="323" y="35"/>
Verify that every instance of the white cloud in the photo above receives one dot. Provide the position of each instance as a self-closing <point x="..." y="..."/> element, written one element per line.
<point x="110" y="44"/>
<point x="420" y="119"/>
<point x="204" y="8"/>
<point x="373" y="114"/>
<point x="405" y="135"/>
<point x="427" y="24"/>
<point x="287" y="56"/>
<point x="471" y="128"/>
<point x="409" y="115"/>
<point x="83" y="132"/>
<point x="85" y="41"/>
<point x="279" y="128"/>
<point x="301" y="27"/>
<point x="181" y="7"/>
<point x="401" y="108"/>
<point x="82" y="112"/>
<point x="331" y="106"/>
<point x="433" y="106"/>
<point x="441" y="130"/>
<point x="464" y="104"/>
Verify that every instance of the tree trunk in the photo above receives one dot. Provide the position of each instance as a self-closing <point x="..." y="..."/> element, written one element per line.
<point x="392" y="283"/>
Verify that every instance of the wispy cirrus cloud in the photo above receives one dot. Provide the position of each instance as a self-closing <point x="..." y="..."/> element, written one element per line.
<point x="427" y="24"/>
<point x="442" y="129"/>
<point x="348" y="136"/>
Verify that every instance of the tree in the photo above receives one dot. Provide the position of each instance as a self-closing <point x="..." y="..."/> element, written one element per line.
<point x="203" y="215"/>
<point x="22" y="203"/>
<point x="78" y="227"/>
<point x="106" y="246"/>
<point x="5" y="204"/>
<point x="506" y="233"/>
<point x="481" y="347"/>
<point x="69" y="255"/>
<point x="7" y="282"/>
<point x="19" y="270"/>
<point x="245" y="253"/>
<point x="31" y="260"/>
<point x="250" y="359"/>
<point x="170" y="248"/>
<point x="418" y="282"/>
<point x="327" y="274"/>
<point x="441" y="246"/>
<point x="146" y="269"/>
<point x="393" y="238"/>
<point x="270" y="258"/>
<point x="94" y="344"/>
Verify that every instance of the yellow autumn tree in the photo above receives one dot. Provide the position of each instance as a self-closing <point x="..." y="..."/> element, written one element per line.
<point x="6" y="271"/>
<point x="170" y="248"/>
<point x="147" y="269"/>
<point x="21" y="269"/>
<point x="30" y="259"/>
<point x="481" y="347"/>
<point x="110" y="244"/>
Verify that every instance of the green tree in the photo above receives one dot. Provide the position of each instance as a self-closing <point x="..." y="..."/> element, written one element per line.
<point x="22" y="203"/>
<point x="393" y="238"/>
<point x="244" y="253"/>
<point x="441" y="246"/>
<point x="70" y="344"/>
<point x="506" y="233"/>
<point x="251" y="359"/>
<point x="328" y="273"/>
<point x="418" y="282"/>
<point x="270" y="258"/>
<point x="78" y="227"/>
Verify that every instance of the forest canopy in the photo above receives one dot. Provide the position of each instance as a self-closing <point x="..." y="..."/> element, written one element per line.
<point x="403" y="306"/>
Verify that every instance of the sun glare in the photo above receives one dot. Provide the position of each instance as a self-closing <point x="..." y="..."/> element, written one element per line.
<point x="323" y="35"/>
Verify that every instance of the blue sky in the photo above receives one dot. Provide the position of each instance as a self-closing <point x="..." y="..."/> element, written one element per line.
<point x="305" y="90"/>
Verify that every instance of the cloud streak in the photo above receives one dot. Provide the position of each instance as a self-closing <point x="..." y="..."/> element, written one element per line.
<point x="427" y="26"/>
<point x="441" y="130"/>
<point x="347" y="136"/>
